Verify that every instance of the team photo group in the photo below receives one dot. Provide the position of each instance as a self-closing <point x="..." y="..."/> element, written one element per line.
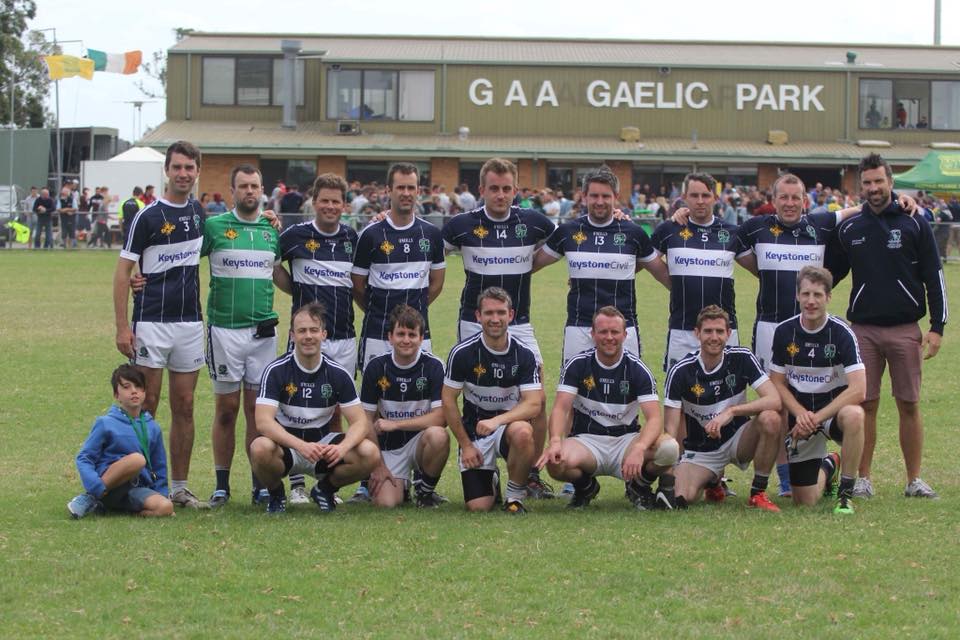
<point x="382" y="410"/>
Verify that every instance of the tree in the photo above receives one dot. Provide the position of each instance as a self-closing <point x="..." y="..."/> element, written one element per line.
<point x="156" y="68"/>
<point x="22" y="65"/>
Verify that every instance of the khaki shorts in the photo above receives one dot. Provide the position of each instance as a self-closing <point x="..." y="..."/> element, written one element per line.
<point x="900" y="347"/>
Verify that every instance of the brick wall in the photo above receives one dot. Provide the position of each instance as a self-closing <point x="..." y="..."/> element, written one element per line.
<point x="332" y="164"/>
<point x="445" y="171"/>
<point x="215" y="174"/>
<point x="766" y="175"/>
<point x="532" y="174"/>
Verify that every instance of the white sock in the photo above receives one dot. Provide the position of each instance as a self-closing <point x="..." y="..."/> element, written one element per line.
<point x="176" y="485"/>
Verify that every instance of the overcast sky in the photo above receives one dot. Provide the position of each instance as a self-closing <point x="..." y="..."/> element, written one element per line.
<point x="136" y="24"/>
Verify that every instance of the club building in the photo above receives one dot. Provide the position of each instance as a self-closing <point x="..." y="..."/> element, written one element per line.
<point x="653" y="111"/>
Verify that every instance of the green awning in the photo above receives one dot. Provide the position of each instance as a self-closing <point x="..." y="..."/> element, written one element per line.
<point x="938" y="171"/>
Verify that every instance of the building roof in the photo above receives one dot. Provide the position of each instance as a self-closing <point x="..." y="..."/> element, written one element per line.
<point x="311" y="140"/>
<point x="584" y="52"/>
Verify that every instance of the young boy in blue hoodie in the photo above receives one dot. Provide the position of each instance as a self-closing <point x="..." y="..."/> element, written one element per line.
<point x="123" y="464"/>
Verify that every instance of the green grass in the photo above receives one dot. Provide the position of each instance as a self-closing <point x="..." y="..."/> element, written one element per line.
<point x="609" y="572"/>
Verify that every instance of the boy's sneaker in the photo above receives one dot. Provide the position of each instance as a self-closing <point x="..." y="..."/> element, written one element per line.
<point x="324" y="501"/>
<point x="844" y="506"/>
<point x="429" y="500"/>
<point x="762" y="502"/>
<point x="537" y="489"/>
<point x="581" y="499"/>
<point x="276" y="504"/>
<point x="259" y="496"/>
<point x="361" y="495"/>
<point x="514" y="507"/>
<point x="185" y="498"/>
<point x="917" y="488"/>
<point x="863" y="488"/>
<point x="298" y="495"/>
<point x="83" y="505"/>
<point x="219" y="498"/>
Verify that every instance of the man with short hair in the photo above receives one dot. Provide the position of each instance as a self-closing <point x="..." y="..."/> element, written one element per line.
<point x="603" y="255"/>
<point x="401" y="393"/>
<point x="467" y="200"/>
<point x="606" y="388"/>
<point x="148" y="196"/>
<point x="398" y="260"/>
<point x="290" y="205"/>
<point x="699" y="257"/>
<point x="128" y="210"/>
<point x="67" y="214"/>
<point x="498" y="242"/>
<point x="243" y="249"/>
<point x="43" y="208"/>
<point x="500" y="381"/>
<point x="299" y="393"/>
<point x="98" y="210"/>
<point x="817" y="370"/>
<point x="706" y="398"/>
<point x="165" y="239"/>
<point x="894" y="261"/>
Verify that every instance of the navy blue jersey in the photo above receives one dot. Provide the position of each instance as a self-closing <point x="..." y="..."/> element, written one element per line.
<point x="702" y="394"/>
<point x="497" y="253"/>
<point x="602" y="263"/>
<point x="491" y="381"/>
<point x="401" y="393"/>
<point x="397" y="263"/>
<point x="608" y="399"/>
<point x="320" y="269"/>
<point x="306" y="399"/>
<point x="781" y="251"/>
<point x="700" y="261"/>
<point x="816" y="363"/>
<point x="165" y="240"/>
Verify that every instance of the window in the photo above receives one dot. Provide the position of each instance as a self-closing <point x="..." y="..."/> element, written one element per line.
<point x="876" y="104"/>
<point x="218" y="80"/>
<point x="895" y="104"/>
<point x="945" y="105"/>
<point x="372" y="94"/>
<point x="247" y="81"/>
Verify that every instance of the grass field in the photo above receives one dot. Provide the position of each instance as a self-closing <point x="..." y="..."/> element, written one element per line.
<point x="608" y="572"/>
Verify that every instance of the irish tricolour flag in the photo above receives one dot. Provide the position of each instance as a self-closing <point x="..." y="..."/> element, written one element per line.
<point x="115" y="62"/>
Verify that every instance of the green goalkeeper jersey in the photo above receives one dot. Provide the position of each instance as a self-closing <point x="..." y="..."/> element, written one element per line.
<point x="242" y="256"/>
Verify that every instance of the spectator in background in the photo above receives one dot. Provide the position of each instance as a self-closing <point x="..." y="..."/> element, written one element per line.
<point x="128" y="210"/>
<point x="148" y="196"/>
<point x="216" y="206"/>
<point x="67" y="210"/>
<point x="551" y="208"/>
<point x="83" y="213"/>
<point x="98" y="210"/>
<point x="766" y="207"/>
<point x="26" y="206"/>
<point x="276" y="195"/>
<point x="467" y="200"/>
<point x="44" y="207"/>
<point x="290" y="205"/>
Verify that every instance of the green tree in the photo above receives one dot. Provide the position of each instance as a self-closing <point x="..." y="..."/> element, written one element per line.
<point x="156" y="68"/>
<point x="22" y="65"/>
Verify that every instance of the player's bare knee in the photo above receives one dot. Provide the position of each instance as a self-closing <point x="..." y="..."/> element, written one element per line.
<point x="479" y="505"/>
<point x="851" y="419"/>
<point x="436" y="437"/>
<point x="520" y="435"/>
<point x="769" y="423"/>
<point x="134" y="462"/>
<point x="261" y="449"/>
<point x="164" y="507"/>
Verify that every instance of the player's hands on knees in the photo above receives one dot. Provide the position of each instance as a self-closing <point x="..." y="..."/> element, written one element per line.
<point x="312" y="451"/>
<point x="332" y="453"/>
<point x="126" y="341"/>
<point x="486" y="427"/>
<point x="470" y="457"/>
<point x="806" y="424"/>
<point x="137" y="282"/>
<point x="379" y="476"/>
<point x="681" y="216"/>
<point x="552" y="455"/>
<point x="271" y="216"/>
<point x="632" y="465"/>
<point x="930" y="345"/>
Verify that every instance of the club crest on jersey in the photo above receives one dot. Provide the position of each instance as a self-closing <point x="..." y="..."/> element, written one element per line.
<point x="479" y="370"/>
<point x="894" y="241"/>
<point x="326" y="391"/>
<point x="811" y="231"/>
<point x="143" y="352"/>
<point x="624" y="387"/>
<point x="311" y="245"/>
<point x="775" y="231"/>
<point x="481" y="232"/>
<point x="222" y="369"/>
<point x="424" y="245"/>
<point x="421" y="383"/>
<point x="579" y="237"/>
<point x="731" y="381"/>
<point x="167" y="228"/>
<point x="521" y="231"/>
<point x="792" y="349"/>
<point x="265" y="235"/>
<point x="686" y="234"/>
<point x="383" y="383"/>
<point x="291" y="389"/>
<point x="514" y="369"/>
<point x="348" y="246"/>
<point x="723" y="235"/>
<point x="697" y="390"/>
<point x="196" y="221"/>
<point x="387" y="247"/>
<point x="231" y="234"/>
<point x="619" y="239"/>
<point x="589" y="383"/>
<point x="829" y="350"/>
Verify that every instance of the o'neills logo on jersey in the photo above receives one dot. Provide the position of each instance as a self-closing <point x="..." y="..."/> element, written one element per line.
<point x="245" y="263"/>
<point x="490" y="261"/>
<point x="399" y="276"/>
<point x="323" y="272"/>
<point x="178" y="256"/>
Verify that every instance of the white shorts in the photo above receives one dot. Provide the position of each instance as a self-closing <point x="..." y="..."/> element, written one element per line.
<point x="303" y="467"/>
<point x="489" y="447"/>
<point x="577" y="339"/>
<point x="716" y="460"/>
<point x="680" y="343"/>
<point x="401" y="461"/>
<point x="522" y="332"/>
<point x="814" y="447"/>
<point x="177" y="346"/>
<point x="608" y="451"/>
<point x="373" y="348"/>
<point x="235" y="356"/>
<point x="763" y="343"/>
<point x="343" y="352"/>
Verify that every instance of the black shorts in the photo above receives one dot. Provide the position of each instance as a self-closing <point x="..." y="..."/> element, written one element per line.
<point x="321" y="467"/>
<point x="478" y="483"/>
